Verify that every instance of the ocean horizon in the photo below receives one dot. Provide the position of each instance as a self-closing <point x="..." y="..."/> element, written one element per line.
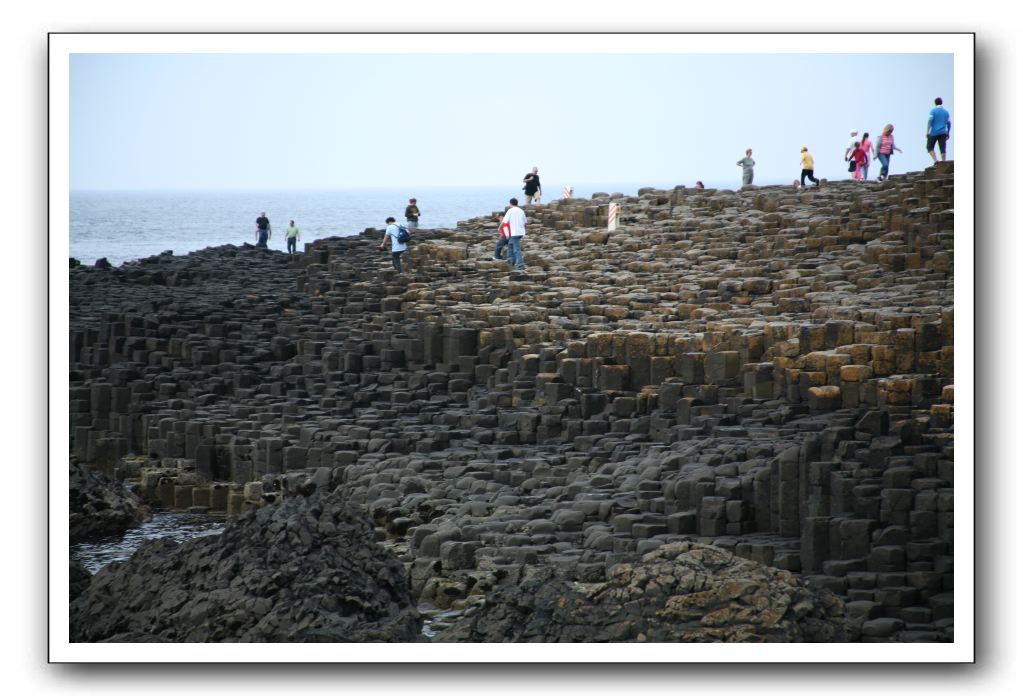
<point x="126" y="225"/>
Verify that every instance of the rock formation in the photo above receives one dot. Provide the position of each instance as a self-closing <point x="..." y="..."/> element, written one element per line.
<point x="769" y="371"/>
<point x="305" y="570"/>
<point x="682" y="592"/>
<point x="79" y="578"/>
<point x="100" y="507"/>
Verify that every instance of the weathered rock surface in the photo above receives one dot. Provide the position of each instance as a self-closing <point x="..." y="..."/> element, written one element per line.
<point x="682" y="592"/>
<point x="79" y="578"/>
<point x="305" y="570"/>
<point x="769" y="371"/>
<point x="100" y="506"/>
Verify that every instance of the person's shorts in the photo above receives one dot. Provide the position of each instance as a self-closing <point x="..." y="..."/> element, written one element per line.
<point x="939" y="139"/>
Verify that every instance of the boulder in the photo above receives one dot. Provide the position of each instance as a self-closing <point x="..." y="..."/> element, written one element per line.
<point x="682" y="592"/>
<point x="303" y="570"/>
<point x="78" y="579"/>
<point x="100" y="506"/>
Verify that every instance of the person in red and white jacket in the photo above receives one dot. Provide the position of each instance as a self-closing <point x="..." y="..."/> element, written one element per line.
<point x="502" y="239"/>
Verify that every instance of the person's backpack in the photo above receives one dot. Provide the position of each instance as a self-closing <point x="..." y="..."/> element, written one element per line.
<point x="403" y="234"/>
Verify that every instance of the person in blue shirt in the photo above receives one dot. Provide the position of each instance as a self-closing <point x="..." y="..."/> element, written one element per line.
<point x="939" y="127"/>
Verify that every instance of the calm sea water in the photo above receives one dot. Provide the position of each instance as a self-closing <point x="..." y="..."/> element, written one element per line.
<point x="179" y="526"/>
<point x="126" y="225"/>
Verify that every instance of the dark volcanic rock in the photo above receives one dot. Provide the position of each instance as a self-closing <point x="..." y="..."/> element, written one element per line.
<point x="770" y="371"/>
<point x="78" y="579"/>
<point x="305" y="570"/>
<point x="682" y="592"/>
<point x="100" y="506"/>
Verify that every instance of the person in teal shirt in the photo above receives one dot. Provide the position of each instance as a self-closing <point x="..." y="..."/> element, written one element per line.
<point x="292" y="235"/>
<point x="747" y="168"/>
<point x="939" y="128"/>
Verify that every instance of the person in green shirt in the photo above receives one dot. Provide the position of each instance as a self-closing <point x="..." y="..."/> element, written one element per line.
<point x="747" y="168"/>
<point x="292" y="235"/>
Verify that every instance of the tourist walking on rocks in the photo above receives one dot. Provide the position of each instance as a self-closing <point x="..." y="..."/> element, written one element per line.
<point x="263" y="232"/>
<point x="515" y="218"/>
<point x="292" y="236"/>
<point x="412" y="214"/>
<point x="397" y="247"/>
<point x="532" y="187"/>
<point x="939" y="128"/>
<point x="885" y="149"/>
<point x="867" y="146"/>
<point x="807" y="161"/>
<point x="502" y="239"/>
<point x="853" y="145"/>
<point x="858" y="158"/>
<point x="747" y="168"/>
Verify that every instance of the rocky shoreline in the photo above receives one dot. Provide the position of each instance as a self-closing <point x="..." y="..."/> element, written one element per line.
<point x="767" y="372"/>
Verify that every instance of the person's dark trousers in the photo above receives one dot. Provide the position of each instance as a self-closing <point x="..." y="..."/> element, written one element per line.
<point x="808" y="174"/>
<point x="502" y="242"/>
<point x="291" y="245"/>
<point x="396" y="260"/>
<point x="263" y="235"/>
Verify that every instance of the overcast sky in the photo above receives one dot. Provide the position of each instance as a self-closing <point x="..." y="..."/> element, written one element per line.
<point x="237" y="121"/>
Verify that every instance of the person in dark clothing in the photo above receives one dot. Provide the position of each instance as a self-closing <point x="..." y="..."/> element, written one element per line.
<point x="532" y="187"/>
<point x="412" y="214"/>
<point x="262" y="230"/>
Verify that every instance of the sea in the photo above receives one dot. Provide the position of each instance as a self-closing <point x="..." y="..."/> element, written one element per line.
<point x="179" y="526"/>
<point x="123" y="226"/>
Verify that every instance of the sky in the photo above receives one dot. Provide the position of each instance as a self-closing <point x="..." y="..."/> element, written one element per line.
<point x="321" y="121"/>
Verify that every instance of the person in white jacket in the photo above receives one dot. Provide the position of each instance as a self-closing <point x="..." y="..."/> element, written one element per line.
<point x="515" y="218"/>
<point x="397" y="247"/>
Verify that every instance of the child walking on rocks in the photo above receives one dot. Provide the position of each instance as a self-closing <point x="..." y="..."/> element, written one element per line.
<point x="859" y="158"/>
<point x="502" y="240"/>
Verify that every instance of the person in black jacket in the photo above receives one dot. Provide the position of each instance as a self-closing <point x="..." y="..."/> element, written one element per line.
<point x="412" y="214"/>
<point x="532" y="187"/>
<point x="262" y="230"/>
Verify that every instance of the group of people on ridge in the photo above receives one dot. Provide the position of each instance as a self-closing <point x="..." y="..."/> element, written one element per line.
<point x="861" y="150"/>
<point x="513" y="224"/>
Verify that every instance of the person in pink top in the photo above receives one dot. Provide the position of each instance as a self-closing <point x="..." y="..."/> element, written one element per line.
<point x="885" y="149"/>
<point x="868" y="149"/>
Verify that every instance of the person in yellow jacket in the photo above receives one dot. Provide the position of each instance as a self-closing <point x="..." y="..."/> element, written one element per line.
<point x="807" y="169"/>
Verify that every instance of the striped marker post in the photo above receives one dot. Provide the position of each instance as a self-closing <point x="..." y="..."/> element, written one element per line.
<point x="612" y="217"/>
<point x="567" y="193"/>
